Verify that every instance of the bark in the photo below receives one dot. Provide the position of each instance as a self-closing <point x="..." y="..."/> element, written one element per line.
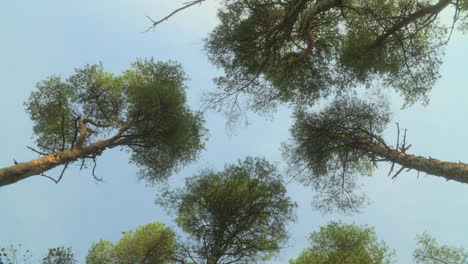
<point x="308" y="34"/>
<point x="23" y="170"/>
<point x="455" y="171"/>
<point x="319" y="7"/>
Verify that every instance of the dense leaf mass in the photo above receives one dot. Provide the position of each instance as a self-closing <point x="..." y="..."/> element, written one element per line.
<point x="343" y="243"/>
<point x="321" y="156"/>
<point x="301" y="50"/>
<point x="144" y="110"/>
<point x="148" y="244"/>
<point x="237" y="215"/>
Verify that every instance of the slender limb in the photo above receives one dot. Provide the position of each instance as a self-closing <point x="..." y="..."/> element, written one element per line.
<point x="94" y="168"/>
<point x="187" y="5"/>
<point x="59" y="178"/>
<point x="37" y="151"/>
<point x="83" y="132"/>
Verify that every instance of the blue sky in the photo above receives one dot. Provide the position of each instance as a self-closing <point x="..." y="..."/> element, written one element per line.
<point x="40" y="38"/>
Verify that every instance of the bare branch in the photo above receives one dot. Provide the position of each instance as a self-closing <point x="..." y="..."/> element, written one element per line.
<point x="60" y="177"/>
<point x="187" y="5"/>
<point x="94" y="175"/>
<point x="37" y="151"/>
<point x="398" y="172"/>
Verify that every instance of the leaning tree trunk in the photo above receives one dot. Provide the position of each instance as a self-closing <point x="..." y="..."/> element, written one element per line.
<point x="455" y="171"/>
<point x="23" y="170"/>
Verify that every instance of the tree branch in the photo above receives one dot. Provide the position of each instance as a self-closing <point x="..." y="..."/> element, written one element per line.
<point x="83" y="132"/>
<point x="187" y="5"/>
<point x="428" y="10"/>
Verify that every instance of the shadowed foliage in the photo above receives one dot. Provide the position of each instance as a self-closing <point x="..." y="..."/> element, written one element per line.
<point x="60" y="255"/>
<point x="331" y="147"/>
<point x="321" y="157"/>
<point x="301" y="50"/>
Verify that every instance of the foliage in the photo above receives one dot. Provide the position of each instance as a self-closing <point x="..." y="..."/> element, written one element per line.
<point x="345" y="244"/>
<point x="15" y="254"/>
<point x="322" y="159"/>
<point x="60" y="255"/>
<point x="297" y="51"/>
<point x="144" y="109"/>
<point x="430" y="252"/>
<point x="236" y="215"/>
<point x="153" y="243"/>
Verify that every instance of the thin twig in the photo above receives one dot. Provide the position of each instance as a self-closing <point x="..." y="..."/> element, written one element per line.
<point x="398" y="172"/>
<point x="38" y="152"/>
<point x="94" y="175"/>
<point x="187" y="5"/>
<point x="48" y="177"/>
<point x="63" y="171"/>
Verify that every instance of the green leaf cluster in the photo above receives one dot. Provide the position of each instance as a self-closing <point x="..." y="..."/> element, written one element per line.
<point x="152" y="243"/>
<point x="324" y="160"/>
<point x="273" y="51"/>
<point x="344" y="244"/>
<point x="60" y="255"/>
<point x="146" y="104"/>
<point x="429" y="252"/>
<point x="239" y="214"/>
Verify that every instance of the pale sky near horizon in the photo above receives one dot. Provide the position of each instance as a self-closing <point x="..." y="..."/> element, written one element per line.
<point x="41" y="38"/>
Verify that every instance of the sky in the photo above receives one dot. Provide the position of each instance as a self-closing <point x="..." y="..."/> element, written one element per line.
<point x="42" y="38"/>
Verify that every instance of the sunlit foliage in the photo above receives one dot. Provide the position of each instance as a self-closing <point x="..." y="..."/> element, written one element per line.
<point x="236" y="215"/>
<point x="345" y="244"/>
<point x="297" y="51"/>
<point x="143" y="110"/>
<point x="151" y="243"/>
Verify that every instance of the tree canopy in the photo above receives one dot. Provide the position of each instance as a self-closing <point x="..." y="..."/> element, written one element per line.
<point x="297" y="51"/>
<point x="338" y="243"/>
<point x="238" y="215"/>
<point x="143" y="111"/>
<point x="321" y="157"/>
<point x="429" y="252"/>
<point x="153" y="243"/>
<point x="60" y="255"/>
<point x="329" y="148"/>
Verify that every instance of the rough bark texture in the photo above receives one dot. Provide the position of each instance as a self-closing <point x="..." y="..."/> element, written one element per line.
<point x="447" y="170"/>
<point x="23" y="170"/>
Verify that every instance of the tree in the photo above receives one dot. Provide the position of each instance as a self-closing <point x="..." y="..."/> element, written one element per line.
<point x="430" y="252"/>
<point x="329" y="148"/>
<point x="15" y="254"/>
<point x="143" y="111"/>
<point x="320" y="158"/>
<point x="238" y="215"/>
<point x="298" y="51"/>
<point x="153" y="243"/>
<point x="339" y="243"/>
<point x="60" y="255"/>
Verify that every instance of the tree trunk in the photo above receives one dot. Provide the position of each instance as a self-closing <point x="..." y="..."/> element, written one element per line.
<point x="23" y="170"/>
<point x="447" y="170"/>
